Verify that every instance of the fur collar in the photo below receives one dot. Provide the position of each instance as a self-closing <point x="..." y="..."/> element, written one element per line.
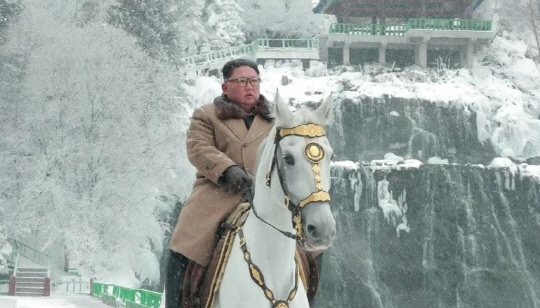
<point x="226" y="109"/>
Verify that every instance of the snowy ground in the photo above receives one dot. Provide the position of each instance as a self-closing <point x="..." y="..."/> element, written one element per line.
<point x="54" y="301"/>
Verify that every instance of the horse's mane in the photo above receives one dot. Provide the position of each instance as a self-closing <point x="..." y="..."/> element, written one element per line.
<point x="260" y="150"/>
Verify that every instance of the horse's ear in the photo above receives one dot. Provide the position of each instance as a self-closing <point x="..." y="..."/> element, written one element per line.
<point x="281" y="110"/>
<point x="324" y="112"/>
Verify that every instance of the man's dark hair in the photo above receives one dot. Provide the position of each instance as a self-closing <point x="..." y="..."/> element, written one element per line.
<point x="230" y="66"/>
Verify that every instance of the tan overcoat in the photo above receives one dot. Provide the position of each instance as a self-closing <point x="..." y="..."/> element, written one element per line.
<point x="217" y="139"/>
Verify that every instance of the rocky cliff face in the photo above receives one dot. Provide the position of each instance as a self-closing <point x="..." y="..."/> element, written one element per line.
<point x="367" y="129"/>
<point x="457" y="235"/>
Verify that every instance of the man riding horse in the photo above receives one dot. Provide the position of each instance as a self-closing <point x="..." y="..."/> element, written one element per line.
<point x="222" y="143"/>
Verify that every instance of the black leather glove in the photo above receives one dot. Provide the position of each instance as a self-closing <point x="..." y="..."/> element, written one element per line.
<point x="235" y="180"/>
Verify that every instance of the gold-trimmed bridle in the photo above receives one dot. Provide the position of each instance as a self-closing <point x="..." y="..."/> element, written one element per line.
<point x="314" y="153"/>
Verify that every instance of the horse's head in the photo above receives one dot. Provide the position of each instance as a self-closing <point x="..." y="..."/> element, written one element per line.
<point x="302" y="156"/>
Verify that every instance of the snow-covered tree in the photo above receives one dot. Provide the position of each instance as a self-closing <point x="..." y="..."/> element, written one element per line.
<point x="165" y="28"/>
<point x="92" y="142"/>
<point x="521" y="17"/>
<point x="226" y="24"/>
<point x="280" y="18"/>
<point x="5" y="247"/>
<point x="534" y="11"/>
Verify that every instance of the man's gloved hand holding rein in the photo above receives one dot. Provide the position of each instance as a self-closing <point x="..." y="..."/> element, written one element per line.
<point x="235" y="180"/>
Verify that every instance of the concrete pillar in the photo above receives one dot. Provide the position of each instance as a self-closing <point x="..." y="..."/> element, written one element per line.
<point x="346" y="54"/>
<point x="323" y="48"/>
<point x="382" y="54"/>
<point x="421" y="54"/>
<point x="463" y="56"/>
<point x="467" y="54"/>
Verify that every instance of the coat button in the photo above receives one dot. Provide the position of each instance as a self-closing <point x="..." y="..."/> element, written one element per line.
<point x="244" y="145"/>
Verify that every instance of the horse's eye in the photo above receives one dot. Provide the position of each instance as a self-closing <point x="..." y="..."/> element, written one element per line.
<point x="289" y="159"/>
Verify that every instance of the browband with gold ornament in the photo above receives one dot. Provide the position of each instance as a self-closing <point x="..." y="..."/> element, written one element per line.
<point x="304" y="130"/>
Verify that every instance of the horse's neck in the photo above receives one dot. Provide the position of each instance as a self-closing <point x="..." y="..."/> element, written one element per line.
<point x="272" y="251"/>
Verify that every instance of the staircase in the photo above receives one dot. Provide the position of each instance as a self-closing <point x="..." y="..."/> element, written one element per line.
<point x="30" y="281"/>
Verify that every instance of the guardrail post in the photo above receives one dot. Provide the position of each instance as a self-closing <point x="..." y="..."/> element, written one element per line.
<point x="47" y="288"/>
<point x="12" y="285"/>
<point x="92" y="286"/>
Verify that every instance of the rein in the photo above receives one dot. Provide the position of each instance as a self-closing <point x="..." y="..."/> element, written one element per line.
<point x="249" y="193"/>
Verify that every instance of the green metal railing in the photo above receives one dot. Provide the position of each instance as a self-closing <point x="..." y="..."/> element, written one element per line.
<point x="20" y="249"/>
<point x="448" y="24"/>
<point x="412" y="24"/>
<point x="131" y="298"/>
<point x="218" y="56"/>
<point x="249" y="50"/>
<point x="149" y="298"/>
<point x="369" y="29"/>
<point x="265" y="43"/>
<point x="98" y="289"/>
<point x="31" y="253"/>
<point x="124" y="293"/>
<point x="76" y="287"/>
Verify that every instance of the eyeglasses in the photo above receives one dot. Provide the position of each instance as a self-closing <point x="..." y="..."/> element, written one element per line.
<point x="242" y="82"/>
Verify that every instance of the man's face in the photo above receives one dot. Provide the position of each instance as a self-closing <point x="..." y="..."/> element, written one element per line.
<point x="246" y="96"/>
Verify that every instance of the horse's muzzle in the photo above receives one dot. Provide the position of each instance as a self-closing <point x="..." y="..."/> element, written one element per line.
<point x="319" y="227"/>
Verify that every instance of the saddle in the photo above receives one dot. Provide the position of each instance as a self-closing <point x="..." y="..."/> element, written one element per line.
<point x="201" y="283"/>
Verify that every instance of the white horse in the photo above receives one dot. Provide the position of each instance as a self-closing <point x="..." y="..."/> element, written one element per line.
<point x="294" y="168"/>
